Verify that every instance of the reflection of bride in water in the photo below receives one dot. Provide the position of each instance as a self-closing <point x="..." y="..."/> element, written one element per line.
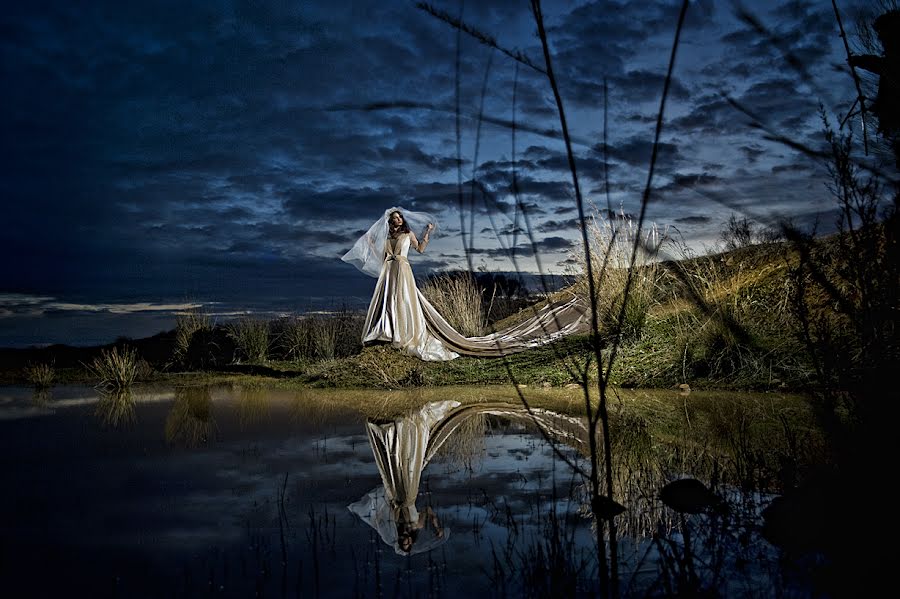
<point x="402" y="449"/>
<point x="400" y="315"/>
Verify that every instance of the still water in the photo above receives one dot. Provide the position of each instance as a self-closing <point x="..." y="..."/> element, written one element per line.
<point x="242" y="492"/>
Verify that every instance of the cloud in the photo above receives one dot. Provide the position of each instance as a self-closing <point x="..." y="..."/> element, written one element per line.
<point x="549" y="226"/>
<point x="693" y="220"/>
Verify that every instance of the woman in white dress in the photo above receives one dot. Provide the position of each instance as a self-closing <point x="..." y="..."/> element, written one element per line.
<point x="400" y="315"/>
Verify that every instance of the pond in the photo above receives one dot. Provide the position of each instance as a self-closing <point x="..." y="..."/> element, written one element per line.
<point x="247" y="491"/>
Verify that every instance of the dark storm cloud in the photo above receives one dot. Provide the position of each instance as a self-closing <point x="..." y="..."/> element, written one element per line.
<point x="637" y="150"/>
<point x="494" y="168"/>
<point x="549" y="226"/>
<point x="544" y="192"/>
<point x="648" y="85"/>
<point x="408" y="151"/>
<point x="598" y="39"/>
<point x="752" y="152"/>
<point x="239" y="148"/>
<point x="338" y="203"/>
<point x="681" y="181"/>
<point x="693" y="220"/>
<point x="777" y="100"/>
<point x="586" y="163"/>
<point x="803" y="167"/>
<point x="709" y="114"/>
<point x="526" y="249"/>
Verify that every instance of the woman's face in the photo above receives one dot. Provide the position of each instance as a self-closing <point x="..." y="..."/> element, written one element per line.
<point x="396" y="219"/>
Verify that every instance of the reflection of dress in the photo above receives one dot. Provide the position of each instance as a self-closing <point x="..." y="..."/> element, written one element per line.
<point x="402" y="449"/>
<point x="400" y="314"/>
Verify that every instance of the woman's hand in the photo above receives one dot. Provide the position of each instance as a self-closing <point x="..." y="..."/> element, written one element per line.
<point x="420" y="246"/>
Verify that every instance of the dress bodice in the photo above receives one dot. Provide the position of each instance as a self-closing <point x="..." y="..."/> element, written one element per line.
<point x="399" y="246"/>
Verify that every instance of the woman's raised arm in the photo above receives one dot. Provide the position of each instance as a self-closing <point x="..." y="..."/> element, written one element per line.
<point x="420" y="246"/>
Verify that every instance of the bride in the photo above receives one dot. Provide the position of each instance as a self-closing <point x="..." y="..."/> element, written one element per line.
<point x="400" y="315"/>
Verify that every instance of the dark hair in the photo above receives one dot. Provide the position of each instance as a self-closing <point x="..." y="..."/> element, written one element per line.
<point x="403" y="528"/>
<point x="403" y="228"/>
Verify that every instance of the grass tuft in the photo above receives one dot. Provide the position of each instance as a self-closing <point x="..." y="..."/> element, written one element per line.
<point x="40" y="375"/>
<point x="117" y="369"/>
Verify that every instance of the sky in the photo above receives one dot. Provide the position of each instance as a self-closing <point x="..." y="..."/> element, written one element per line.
<point x="158" y="156"/>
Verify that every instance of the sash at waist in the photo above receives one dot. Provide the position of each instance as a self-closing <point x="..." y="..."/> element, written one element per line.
<point x="391" y="257"/>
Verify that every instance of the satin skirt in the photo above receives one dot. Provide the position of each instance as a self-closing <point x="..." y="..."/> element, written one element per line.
<point x="400" y="315"/>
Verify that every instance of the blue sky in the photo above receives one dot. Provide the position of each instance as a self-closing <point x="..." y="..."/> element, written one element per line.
<point x="158" y="155"/>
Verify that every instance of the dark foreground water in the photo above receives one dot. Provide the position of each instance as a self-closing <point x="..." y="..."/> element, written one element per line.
<point x="244" y="493"/>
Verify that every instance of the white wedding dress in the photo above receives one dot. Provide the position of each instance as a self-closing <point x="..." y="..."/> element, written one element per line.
<point x="400" y="315"/>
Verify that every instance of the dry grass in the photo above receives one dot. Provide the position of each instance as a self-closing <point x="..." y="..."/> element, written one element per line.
<point x="40" y="375"/>
<point x="736" y="320"/>
<point x="458" y="298"/>
<point x="251" y="338"/>
<point x="186" y="325"/>
<point x="117" y="369"/>
<point x="612" y="242"/>
<point x="319" y="336"/>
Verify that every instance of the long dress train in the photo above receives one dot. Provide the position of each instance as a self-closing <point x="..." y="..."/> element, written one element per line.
<point x="400" y="315"/>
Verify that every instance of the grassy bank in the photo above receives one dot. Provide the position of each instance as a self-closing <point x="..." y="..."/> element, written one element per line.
<point x="720" y="321"/>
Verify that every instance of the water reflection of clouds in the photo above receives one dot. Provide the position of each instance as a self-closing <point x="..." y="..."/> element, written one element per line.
<point x="19" y="402"/>
<point x="143" y="497"/>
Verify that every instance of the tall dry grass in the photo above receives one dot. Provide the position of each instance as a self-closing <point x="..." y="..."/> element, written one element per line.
<point x="319" y="336"/>
<point x="738" y="325"/>
<point x="186" y="325"/>
<point x="117" y="369"/>
<point x="612" y="242"/>
<point x="458" y="298"/>
<point x="294" y="339"/>
<point x="251" y="339"/>
<point x="40" y="375"/>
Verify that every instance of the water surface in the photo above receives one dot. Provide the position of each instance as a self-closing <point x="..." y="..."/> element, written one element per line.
<point x="231" y="491"/>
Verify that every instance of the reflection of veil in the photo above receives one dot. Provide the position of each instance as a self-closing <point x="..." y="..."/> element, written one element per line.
<point x="367" y="254"/>
<point x="402" y="449"/>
